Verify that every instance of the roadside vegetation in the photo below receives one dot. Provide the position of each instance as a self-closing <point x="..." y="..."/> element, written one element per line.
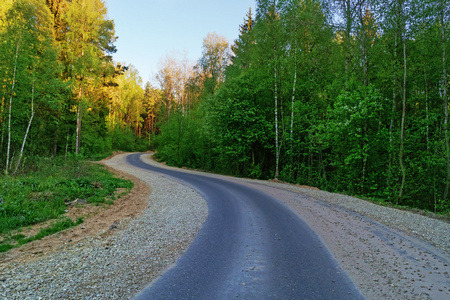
<point x="46" y="190"/>
<point x="347" y="96"/>
<point x="62" y="99"/>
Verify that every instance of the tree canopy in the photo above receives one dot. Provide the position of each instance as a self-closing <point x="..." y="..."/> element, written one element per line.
<point x="347" y="96"/>
<point x="61" y="91"/>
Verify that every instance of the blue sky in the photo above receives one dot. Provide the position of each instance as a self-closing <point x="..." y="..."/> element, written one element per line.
<point x="148" y="30"/>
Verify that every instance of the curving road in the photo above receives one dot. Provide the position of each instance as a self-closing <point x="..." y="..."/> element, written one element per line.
<point x="250" y="247"/>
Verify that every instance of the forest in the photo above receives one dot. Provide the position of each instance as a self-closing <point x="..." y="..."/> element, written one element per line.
<point x="61" y="91"/>
<point x="348" y="96"/>
<point x="63" y="101"/>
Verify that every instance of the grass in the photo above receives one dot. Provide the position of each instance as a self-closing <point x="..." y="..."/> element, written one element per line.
<point x="45" y="191"/>
<point x="18" y="240"/>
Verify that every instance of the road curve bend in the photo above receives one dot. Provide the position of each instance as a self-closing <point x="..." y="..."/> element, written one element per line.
<point x="250" y="247"/>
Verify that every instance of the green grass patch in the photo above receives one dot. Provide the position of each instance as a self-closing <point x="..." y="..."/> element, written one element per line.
<point x="45" y="191"/>
<point x="20" y="239"/>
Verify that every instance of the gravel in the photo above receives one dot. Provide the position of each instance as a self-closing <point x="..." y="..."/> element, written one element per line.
<point x="116" y="267"/>
<point x="389" y="258"/>
<point x="434" y="231"/>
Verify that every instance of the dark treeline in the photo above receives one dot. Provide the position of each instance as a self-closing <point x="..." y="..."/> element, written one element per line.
<point x="60" y="91"/>
<point x="349" y="96"/>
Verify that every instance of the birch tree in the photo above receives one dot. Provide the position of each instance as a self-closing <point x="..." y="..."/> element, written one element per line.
<point x="27" y="40"/>
<point x="269" y="35"/>
<point x="443" y="9"/>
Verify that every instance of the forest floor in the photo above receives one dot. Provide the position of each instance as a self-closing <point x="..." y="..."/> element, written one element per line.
<point x="101" y="219"/>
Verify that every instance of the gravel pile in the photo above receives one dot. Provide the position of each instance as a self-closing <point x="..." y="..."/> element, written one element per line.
<point x="119" y="266"/>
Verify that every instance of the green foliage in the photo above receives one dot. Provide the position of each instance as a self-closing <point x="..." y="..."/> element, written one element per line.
<point x="339" y="87"/>
<point x="58" y="78"/>
<point x="182" y="143"/>
<point x="241" y="126"/>
<point x="357" y="140"/>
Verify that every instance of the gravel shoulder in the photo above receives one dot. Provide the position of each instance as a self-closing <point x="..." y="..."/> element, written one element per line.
<point x="388" y="253"/>
<point x="118" y="265"/>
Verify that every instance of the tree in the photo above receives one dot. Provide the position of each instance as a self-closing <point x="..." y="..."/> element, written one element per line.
<point x="268" y="26"/>
<point x="360" y="102"/>
<point x="241" y="50"/>
<point x="87" y="44"/>
<point x="29" y="55"/>
<point x="216" y="56"/>
<point x="173" y="77"/>
<point x="345" y="18"/>
<point x="443" y="10"/>
<point x="152" y="102"/>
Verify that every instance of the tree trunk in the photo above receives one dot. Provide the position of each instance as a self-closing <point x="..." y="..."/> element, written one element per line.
<point x="78" y="130"/>
<point x="292" y="112"/>
<point x="10" y="105"/>
<point x="27" y="131"/>
<point x="2" y="108"/>
<point x="277" y="149"/>
<point x="427" y="109"/>
<point x="348" y="31"/>
<point x="364" y="43"/>
<point x="445" y="100"/>
<point x="292" y="106"/>
<point x="402" y="130"/>
<point x="67" y="145"/>
<point x="391" y="126"/>
<point x="277" y="146"/>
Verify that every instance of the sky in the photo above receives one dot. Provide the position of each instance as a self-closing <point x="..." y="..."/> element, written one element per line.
<point x="149" y="30"/>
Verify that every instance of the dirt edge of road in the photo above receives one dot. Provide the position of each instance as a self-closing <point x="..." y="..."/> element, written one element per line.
<point x="100" y="220"/>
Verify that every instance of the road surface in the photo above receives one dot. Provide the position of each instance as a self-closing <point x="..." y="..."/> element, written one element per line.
<point x="250" y="247"/>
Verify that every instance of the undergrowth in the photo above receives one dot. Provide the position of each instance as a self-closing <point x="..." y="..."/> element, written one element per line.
<point x="46" y="189"/>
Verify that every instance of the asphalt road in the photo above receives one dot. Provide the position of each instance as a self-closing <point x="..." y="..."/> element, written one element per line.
<point x="250" y="247"/>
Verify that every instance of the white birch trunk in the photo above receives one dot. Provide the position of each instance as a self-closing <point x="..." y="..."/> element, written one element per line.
<point x="27" y="131"/>
<point x="402" y="130"/>
<point x="394" y="93"/>
<point x="292" y="113"/>
<point x="277" y="146"/>
<point x="293" y="89"/>
<point x="10" y="105"/>
<point x="292" y="105"/>
<point x="427" y="110"/>
<point x="78" y="129"/>
<point x="277" y="149"/>
<point x="444" y="79"/>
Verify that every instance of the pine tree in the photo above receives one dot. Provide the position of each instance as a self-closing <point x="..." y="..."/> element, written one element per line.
<point x="241" y="48"/>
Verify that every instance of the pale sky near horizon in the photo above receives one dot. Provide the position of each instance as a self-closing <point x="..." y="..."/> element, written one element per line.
<point x="148" y="30"/>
